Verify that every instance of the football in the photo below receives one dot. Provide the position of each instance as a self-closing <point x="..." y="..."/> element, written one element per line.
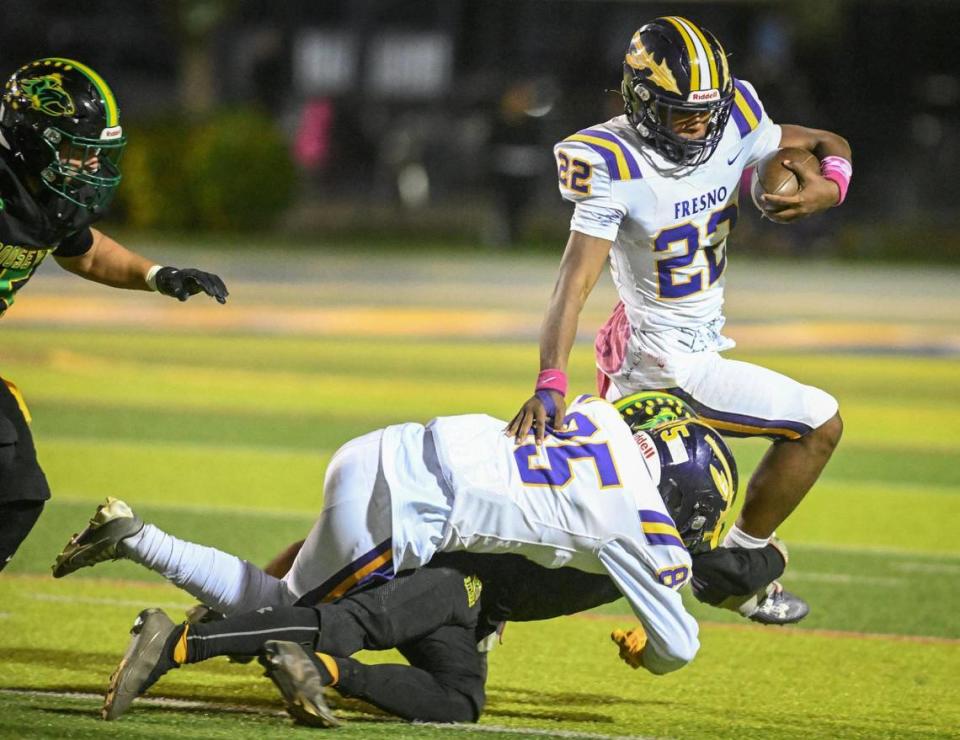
<point x="770" y="176"/>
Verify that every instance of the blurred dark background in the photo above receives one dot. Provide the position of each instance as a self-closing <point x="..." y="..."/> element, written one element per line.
<point x="433" y="120"/>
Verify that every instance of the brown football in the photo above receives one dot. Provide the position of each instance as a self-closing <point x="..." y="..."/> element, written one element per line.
<point x="770" y="176"/>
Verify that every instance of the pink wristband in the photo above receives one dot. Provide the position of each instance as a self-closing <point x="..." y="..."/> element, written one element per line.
<point x="838" y="170"/>
<point x="552" y="380"/>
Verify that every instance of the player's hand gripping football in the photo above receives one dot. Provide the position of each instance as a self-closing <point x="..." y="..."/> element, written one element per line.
<point x="541" y="409"/>
<point x="181" y="284"/>
<point x="816" y="194"/>
<point x="631" y="644"/>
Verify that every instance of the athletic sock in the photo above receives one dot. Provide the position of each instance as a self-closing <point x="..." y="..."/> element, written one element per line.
<point x="223" y="581"/>
<point x="328" y="667"/>
<point x="245" y="634"/>
<point x="736" y="537"/>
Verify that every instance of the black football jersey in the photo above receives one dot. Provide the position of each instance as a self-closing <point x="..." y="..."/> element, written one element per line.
<point x="27" y="236"/>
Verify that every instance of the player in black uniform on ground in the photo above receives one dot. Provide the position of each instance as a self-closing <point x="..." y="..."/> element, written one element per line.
<point x="60" y="147"/>
<point x="438" y="617"/>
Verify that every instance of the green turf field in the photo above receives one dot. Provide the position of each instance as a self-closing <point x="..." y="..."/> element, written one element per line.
<point x="221" y="434"/>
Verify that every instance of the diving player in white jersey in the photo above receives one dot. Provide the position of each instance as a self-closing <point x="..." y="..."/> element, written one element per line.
<point x="587" y="498"/>
<point x="655" y="192"/>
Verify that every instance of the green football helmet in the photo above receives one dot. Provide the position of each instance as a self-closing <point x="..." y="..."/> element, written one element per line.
<point x="648" y="409"/>
<point x="60" y="124"/>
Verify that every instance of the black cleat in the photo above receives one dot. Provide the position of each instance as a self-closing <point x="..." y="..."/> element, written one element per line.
<point x="143" y="663"/>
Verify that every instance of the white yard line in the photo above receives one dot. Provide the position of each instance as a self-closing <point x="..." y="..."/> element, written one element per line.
<point x="873" y="550"/>
<point x="106" y="601"/>
<point x="244" y="709"/>
<point x="941" y="568"/>
<point x="266" y="513"/>
<point x="845" y="578"/>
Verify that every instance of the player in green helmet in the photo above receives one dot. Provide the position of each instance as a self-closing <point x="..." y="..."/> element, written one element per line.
<point x="60" y="148"/>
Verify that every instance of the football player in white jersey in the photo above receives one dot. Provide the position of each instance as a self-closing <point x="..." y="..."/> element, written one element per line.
<point x="655" y="192"/>
<point x="587" y="498"/>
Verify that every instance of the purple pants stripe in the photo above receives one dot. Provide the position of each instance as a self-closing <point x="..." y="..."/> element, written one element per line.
<point x="741" y="425"/>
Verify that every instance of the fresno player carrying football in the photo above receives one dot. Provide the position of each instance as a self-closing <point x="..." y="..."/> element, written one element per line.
<point x="656" y="192"/>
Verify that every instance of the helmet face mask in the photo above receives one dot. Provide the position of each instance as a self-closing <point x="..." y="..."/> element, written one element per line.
<point x="672" y="70"/>
<point x="60" y="122"/>
<point x="86" y="172"/>
<point x="698" y="480"/>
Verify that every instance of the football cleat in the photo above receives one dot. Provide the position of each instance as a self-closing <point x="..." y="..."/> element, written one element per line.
<point x="113" y="522"/>
<point x="780" y="607"/>
<point x="143" y="663"/>
<point x="294" y="671"/>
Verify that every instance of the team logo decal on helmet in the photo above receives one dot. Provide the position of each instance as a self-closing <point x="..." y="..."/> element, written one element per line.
<point x="641" y="59"/>
<point x="648" y="409"/>
<point x="46" y="94"/>
<point x="672" y="70"/>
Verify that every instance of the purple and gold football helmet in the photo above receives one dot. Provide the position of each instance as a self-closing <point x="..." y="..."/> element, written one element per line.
<point x="698" y="479"/>
<point x="674" y="69"/>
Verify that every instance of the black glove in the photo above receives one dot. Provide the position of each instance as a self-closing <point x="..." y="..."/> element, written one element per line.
<point x="726" y="576"/>
<point x="182" y="284"/>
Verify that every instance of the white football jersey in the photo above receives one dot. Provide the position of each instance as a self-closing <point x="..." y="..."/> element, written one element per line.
<point x="669" y="232"/>
<point x="585" y="499"/>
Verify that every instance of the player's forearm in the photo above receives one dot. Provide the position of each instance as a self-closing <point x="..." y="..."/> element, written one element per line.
<point x="558" y="332"/>
<point x="822" y="143"/>
<point x="661" y="664"/>
<point x="579" y="271"/>
<point x="110" y="263"/>
<point x="832" y="145"/>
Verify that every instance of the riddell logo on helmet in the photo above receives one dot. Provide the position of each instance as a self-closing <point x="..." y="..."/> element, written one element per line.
<point x="114" y="132"/>
<point x="647" y="448"/>
<point x="703" y="96"/>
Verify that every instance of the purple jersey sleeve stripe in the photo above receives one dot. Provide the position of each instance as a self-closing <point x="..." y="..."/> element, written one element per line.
<point x="649" y="515"/>
<point x="741" y="425"/>
<point x="609" y="157"/>
<point x="743" y="126"/>
<point x="750" y="98"/>
<point x="664" y="539"/>
<point x="632" y="165"/>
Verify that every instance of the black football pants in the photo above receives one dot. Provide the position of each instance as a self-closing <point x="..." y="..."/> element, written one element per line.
<point x="16" y="520"/>
<point x="429" y="615"/>
<point x="23" y="487"/>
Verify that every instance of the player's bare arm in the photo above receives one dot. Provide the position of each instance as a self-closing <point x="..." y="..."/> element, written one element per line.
<point x="583" y="261"/>
<point x="817" y="193"/>
<point x="110" y="263"/>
